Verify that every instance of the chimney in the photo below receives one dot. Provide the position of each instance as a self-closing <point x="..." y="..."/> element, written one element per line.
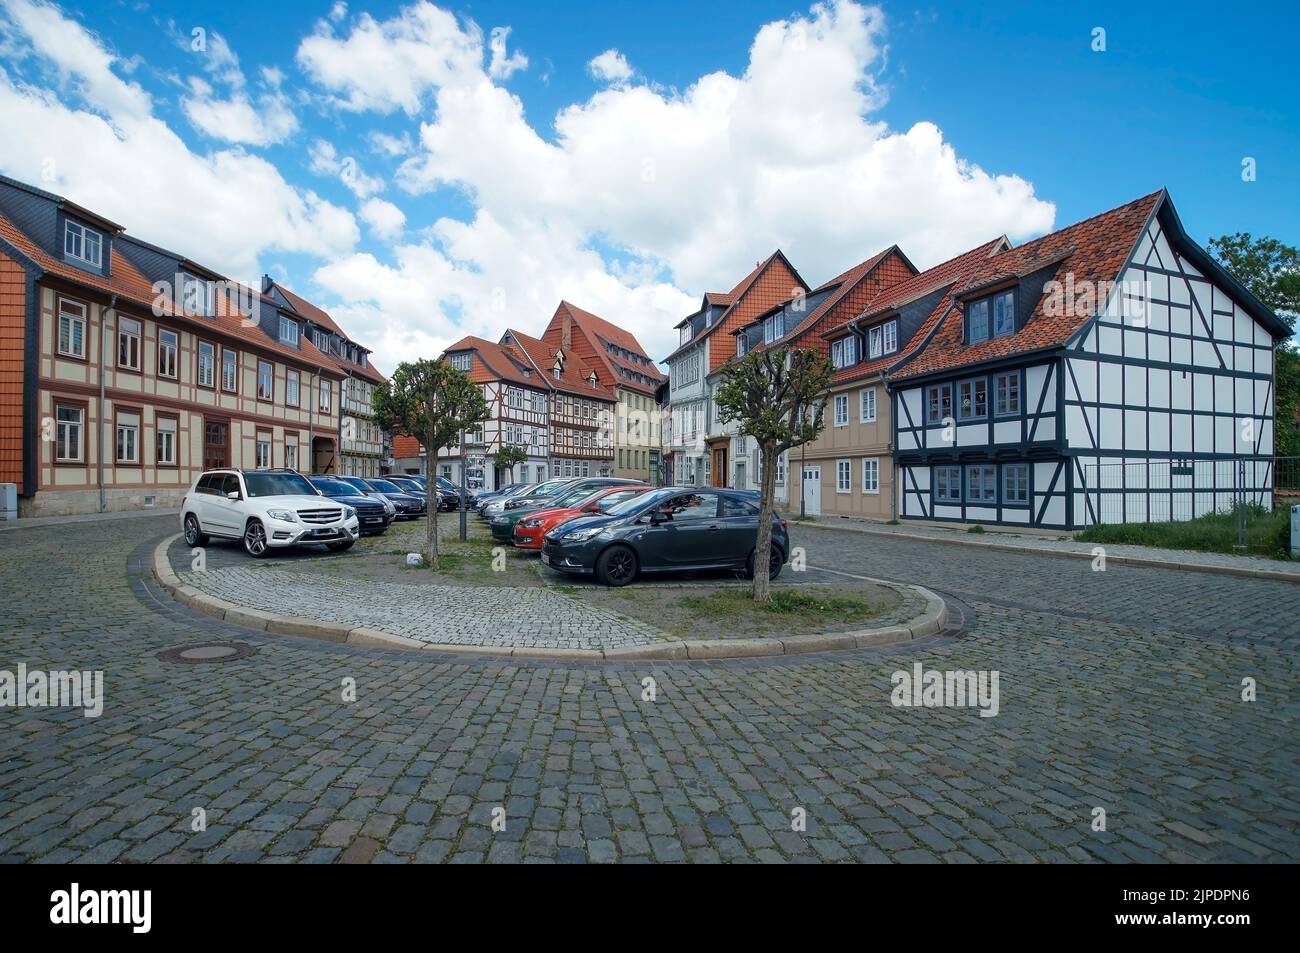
<point x="266" y="284"/>
<point x="566" y="338"/>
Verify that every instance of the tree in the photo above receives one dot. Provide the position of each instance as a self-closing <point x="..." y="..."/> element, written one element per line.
<point x="435" y="402"/>
<point x="778" y="397"/>
<point x="1270" y="270"/>
<point x="508" y="455"/>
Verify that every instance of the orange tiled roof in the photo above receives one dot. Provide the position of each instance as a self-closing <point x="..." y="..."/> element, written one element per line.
<point x="496" y="362"/>
<point x="602" y="330"/>
<point x="1093" y="250"/>
<point x="573" y="375"/>
<point x="404" y="446"/>
<point x="322" y="317"/>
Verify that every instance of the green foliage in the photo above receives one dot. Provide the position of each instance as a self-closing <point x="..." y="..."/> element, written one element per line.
<point x="508" y="455"/>
<point x="1267" y="533"/>
<point x="777" y="396"/>
<point x="1269" y="269"/>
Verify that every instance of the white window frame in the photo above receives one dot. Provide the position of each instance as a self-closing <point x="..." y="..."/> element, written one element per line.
<point x="211" y="378"/>
<point x="843" y="476"/>
<point x="132" y="432"/>
<point x="169" y="349"/>
<point x="130" y="334"/>
<point x="844" y="352"/>
<point x="78" y="239"/>
<point x="874" y="343"/>
<point x="326" y="388"/>
<point x="289" y="331"/>
<point x="867" y="405"/>
<point x="233" y="387"/>
<point x="292" y="379"/>
<point x="75" y="314"/>
<point x="841" y="410"/>
<point x="262" y="451"/>
<point x="291" y="452"/>
<point x="196" y="295"/>
<point x="70" y="433"/>
<point x="890" y="335"/>
<point x="871" y="475"/>
<point x="166" y="431"/>
<point x="269" y="395"/>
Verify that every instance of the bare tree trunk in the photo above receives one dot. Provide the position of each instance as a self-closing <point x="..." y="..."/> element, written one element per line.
<point x="431" y="514"/>
<point x="766" y="504"/>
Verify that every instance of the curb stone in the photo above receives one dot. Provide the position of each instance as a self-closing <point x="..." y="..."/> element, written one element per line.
<point x="931" y="621"/>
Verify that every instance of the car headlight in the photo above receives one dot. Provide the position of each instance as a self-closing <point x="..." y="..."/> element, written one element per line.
<point x="500" y="521"/>
<point x="349" y="512"/>
<point x="530" y="524"/>
<point x="579" y="535"/>
<point x="289" y="516"/>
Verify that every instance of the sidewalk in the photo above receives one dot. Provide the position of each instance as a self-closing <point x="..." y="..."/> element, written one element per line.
<point x="35" y="522"/>
<point x="1059" y="543"/>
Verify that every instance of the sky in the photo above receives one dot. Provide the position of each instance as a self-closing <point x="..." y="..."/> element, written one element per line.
<point x="428" y="171"/>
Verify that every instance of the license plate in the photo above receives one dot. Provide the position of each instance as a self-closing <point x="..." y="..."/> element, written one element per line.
<point x="322" y="532"/>
<point x="546" y="559"/>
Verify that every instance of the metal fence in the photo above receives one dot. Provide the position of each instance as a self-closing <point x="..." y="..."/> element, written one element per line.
<point x="1165" y="491"/>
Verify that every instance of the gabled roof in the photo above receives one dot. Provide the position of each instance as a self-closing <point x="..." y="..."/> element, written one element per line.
<point x="131" y="286"/>
<point x="949" y="275"/>
<point x="737" y="297"/>
<point x="599" y="332"/>
<point x="304" y="308"/>
<point x="1094" y="250"/>
<point x="574" y="371"/>
<point x="498" y="362"/>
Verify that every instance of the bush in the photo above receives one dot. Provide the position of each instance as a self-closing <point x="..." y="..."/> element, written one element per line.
<point x="1268" y="533"/>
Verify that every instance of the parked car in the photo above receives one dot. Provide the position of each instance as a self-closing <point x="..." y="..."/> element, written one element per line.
<point x="516" y="508"/>
<point x="265" y="509"/>
<point x="373" y="516"/>
<point x="494" y="507"/>
<point x="481" y="499"/>
<point x="545" y="494"/>
<point x="365" y="489"/>
<point x="408" y="485"/>
<point x="457" y="493"/>
<point x="668" y="529"/>
<point x="409" y="506"/>
<point x="530" y="529"/>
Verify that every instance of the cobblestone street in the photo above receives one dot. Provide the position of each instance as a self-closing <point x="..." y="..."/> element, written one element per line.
<point x="1119" y="690"/>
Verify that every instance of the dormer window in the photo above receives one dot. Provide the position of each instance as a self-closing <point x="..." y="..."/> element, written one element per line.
<point x="844" y="352"/>
<point x="84" y="244"/>
<point x="994" y="316"/>
<point x="740" y="345"/>
<point x="288" y="331"/>
<point x="196" y="295"/>
<point x="774" y="327"/>
<point x="883" y="339"/>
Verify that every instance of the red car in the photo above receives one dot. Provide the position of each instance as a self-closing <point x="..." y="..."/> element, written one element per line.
<point x="530" y="530"/>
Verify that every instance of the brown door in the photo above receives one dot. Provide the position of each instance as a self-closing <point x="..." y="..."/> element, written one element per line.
<point x="216" y="444"/>
<point x="720" y="467"/>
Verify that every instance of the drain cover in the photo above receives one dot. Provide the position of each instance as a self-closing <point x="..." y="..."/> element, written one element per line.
<point x="209" y="652"/>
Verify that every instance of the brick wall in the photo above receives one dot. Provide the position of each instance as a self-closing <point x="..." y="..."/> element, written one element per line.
<point x="13" y="306"/>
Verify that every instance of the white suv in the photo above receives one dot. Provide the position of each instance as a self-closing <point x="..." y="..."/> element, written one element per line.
<point x="266" y="509"/>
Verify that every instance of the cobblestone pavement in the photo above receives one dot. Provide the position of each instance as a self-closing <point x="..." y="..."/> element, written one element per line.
<point x="1119" y="691"/>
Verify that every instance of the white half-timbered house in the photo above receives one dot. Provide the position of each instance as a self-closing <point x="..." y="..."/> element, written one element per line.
<point x="1108" y="372"/>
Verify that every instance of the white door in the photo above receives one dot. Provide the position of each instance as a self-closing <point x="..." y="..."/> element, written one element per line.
<point x="812" y="491"/>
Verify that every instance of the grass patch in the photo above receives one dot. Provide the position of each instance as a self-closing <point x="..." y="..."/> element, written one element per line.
<point x="977" y="528"/>
<point x="1267" y="533"/>
<point x="821" y="606"/>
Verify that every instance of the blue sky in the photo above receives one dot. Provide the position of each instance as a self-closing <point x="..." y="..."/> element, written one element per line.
<point x="634" y="190"/>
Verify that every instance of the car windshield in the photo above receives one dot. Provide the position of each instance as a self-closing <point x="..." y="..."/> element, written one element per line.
<point x="639" y="502"/>
<point x="575" y="498"/>
<point x="519" y="490"/>
<point x="406" y="484"/>
<point x="334" y="487"/>
<point x="278" y="484"/>
<point x="383" y="486"/>
<point x="547" y="489"/>
<point x="446" y="484"/>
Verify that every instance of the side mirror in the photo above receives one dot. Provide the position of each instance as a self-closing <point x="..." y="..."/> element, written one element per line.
<point x="233" y="495"/>
<point x="656" y="518"/>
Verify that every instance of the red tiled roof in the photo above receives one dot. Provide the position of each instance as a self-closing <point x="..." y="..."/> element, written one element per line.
<point x="1094" y="250"/>
<point x="404" y="446"/>
<point x="496" y="362"/>
<point x="599" y="331"/>
<point x="125" y="281"/>
<point x="322" y="317"/>
<point x="951" y="274"/>
<point x="573" y="375"/>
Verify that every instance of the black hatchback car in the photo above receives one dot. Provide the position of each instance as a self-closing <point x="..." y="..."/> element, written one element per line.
<point x="665" y="530"/>
<point x="372" y="515"/>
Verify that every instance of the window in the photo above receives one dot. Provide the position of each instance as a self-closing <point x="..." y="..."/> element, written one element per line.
<point x="773" y="328"/>
<point x="82" y="243"/>
<point x="1004" y="314"/>
<point x="972" y="399"/>
<point x="326" y="389"/>
<point x="265" y="381"/>
<point x="72" y="329"/>
<point x="207" y="363"/>
<point x="867" y="411"/>
<point x="841" y="409"/>
<point x="871" y="475"/>
<point x="462" y="362"/>
<point x="938" y="403"/>
<point x="128" y="343"/>
<point x="196" y="295"/>
<point x="263" y="451"/>
<point x="229" y="370"/>
<point x="844" y="352"/>
<point x="168" y="348"/>
<point x="741" y="343"/>
<point x="128" y="438"/>
<point x="322" y="341"/>
<point x="891" y="336"/>
<point x="977" y="320"/>
<point x="947" y="484"/>
<point x="165" y="438"/>
<point x="291" y="452"/>
<point x="1015" y="484"/>
<point x="291" y="388"/>
<point x="1006" y="389"/>
<point x="70" y="423"/>
<point x="843" y="476"/>
<point x="981" y="484"/>
<point x="288" y="331"/>
<point x="883" y="339"/>
<point x="697" y="506"/>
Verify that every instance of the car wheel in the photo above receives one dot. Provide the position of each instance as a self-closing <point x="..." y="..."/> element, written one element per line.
<point x="194" y="536"/>
<point x="255" y="539"/>
<point x="616" y="566"/>
<point x="774" y="563"/>
<point x="342" y="547"/>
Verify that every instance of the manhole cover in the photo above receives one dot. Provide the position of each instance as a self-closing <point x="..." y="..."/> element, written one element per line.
<point x="211" y="652"/>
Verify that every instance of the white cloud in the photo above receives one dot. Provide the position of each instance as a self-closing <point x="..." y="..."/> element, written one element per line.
<point x="239" y="117"/>
<point x="325" y="160"/>
<point x="339" y="11"/>
<point x="388" y="145"/>
<point x="610" y="67"/>
<point x="224" y="208"/>
<point x="385" y="219"/>
<point x="504" y="66"/>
